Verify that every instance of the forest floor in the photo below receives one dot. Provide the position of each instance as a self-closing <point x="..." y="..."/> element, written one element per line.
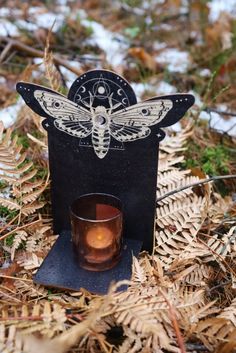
<point x="182" y="297"/>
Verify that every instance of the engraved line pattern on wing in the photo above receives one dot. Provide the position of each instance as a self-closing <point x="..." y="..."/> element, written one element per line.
<point x="131" y="133"/>
<point x="143" y="114"/>
<point x="79" y="129"/>
<point x="60" y="107"/>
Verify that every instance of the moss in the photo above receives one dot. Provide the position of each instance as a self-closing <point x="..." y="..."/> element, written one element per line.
<point x="5" y="212"/>
<point x="212" y="160"/>
<point x="10" y="239"/>
<point x="22" y="140"/>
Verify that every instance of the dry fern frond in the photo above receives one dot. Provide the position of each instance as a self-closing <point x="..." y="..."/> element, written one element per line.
<point x="48" y="313"/>
<point x="30" y="261"/>
<point x="144" y="312"/>
<point x="138" y="273"/>
<point x="223" y="246"/>
<point x="214" y="331"/>
<point x="190" y="272"/>
<point x="178" y="224"/>
<point x="52" y="73"/>
<point x="219" y="208"/>
<point x="20" y="236"/>
<point x="181" y="182"/>
<point x="229" y="313"/>
<point x="171" y="177"/>
<point x="9" y="342"/>
<point x="171" y="144"/>
<point x="17" y="172"/>
<point x="27" y="290"/>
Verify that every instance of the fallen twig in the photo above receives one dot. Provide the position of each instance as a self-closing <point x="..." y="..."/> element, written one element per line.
<point x="18" y="228"/>
<point x="209" y="110"/>
<point x="197" y="183"/>
<point x="175" y="324"/>
<point x="16" y="44"/>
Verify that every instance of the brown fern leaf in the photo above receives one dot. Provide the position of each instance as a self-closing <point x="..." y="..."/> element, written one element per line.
<point x="229" y="313"/>
<point x="52" y="74"/>
<point x="27" y="290"/>
<point x="171" y="144"/>
<point x="26" y="188"/>
<point x="167" y="162"/>
<point x="9" y="203"/>
<point x="177" y="225"/>
<point x="221" y="247"/>
<point x="138" y="273"/>
<point x="45" y="317"/>
<point x="32" y="196"/>
<point x="143" y="312"/>
<point x="214" y="331"/>
<point x="17" y="172"/>
<point x="184" y="181"/>
<point x="20" y="236"/>
<point x="30" y="209"/>
<point x="170" y="177"/>
<point x="9" y="341"/>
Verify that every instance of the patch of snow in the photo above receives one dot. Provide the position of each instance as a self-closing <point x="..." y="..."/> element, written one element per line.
<point x="9" y="12"/>
<point x="141" y="88"/>
<point x="9" y="115"/>
<point x="114" y="45"/>
<point x="198" y="101"/>
<point x="6" y="192"/>
<point x="70" y="76"/>
<point x="159" y="45"/>
<point x="176" y="127"/>
<point x="81" y="14"/>
<point x="28" y="26"/>
<point x="196" y="37"/>
<point x="165" y="27"/>
<point x="176" y="60"/>
<point x="46" y="20"/>
<point x="161" y="88"/>
<point x="218" y="6"/>
<point x="151" y="3"/>
<point x="165" y="88"/>
<point x="184" y="7"/>
<point x="38" y="61"/>
<point x="62" y="2"/>
<point x="205" y="73"/>
<point x="39" y="18"/>
<point x="6" y="264"/>
<point x="148" y="20"/>
<point x="8" y="29"/>
<point x="217" y="122"/>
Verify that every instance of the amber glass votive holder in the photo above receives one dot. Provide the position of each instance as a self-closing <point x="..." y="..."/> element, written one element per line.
<point x="96" y="224"/>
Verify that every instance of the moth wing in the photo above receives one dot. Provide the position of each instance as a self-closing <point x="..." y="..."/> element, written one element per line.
<point x="79" y="129"/>
<point x="59" y="107"/>
<point x="49" y="104"/>
<point x="128" y="133"/>
<point x="147" y="113"/>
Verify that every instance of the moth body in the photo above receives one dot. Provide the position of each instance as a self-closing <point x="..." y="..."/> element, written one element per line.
<point x="100" y="131"/>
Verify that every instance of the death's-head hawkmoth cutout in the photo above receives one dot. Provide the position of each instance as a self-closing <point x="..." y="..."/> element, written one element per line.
<point x="101" y="111"/>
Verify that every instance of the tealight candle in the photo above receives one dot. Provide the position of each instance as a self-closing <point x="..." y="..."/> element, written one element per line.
<point x="99" y="237"/>
<point x="96" y="221"/>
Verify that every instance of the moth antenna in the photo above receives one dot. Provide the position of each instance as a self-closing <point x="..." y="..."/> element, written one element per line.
<point x="91" y="100"/>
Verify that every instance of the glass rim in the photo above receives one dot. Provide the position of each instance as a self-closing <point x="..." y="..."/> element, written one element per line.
<point x="84" y="196"/>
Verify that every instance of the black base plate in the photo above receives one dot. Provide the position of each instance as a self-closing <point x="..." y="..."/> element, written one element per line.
<point x="60" y="268"/>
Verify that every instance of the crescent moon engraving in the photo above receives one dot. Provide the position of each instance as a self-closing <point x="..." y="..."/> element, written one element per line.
<point x="124" y="101"/>
<point x="83" y="89"/>
<point x="120" y="92"/>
